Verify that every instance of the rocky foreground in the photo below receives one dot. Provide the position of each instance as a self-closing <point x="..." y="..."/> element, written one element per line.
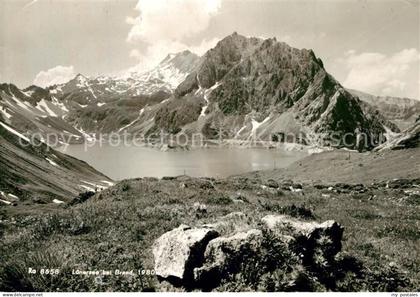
<point x="231" y="252"/>
<point x="244" y="233"/>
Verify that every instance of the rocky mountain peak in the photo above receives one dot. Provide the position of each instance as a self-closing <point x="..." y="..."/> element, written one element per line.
<point x="81" y="79"/>
<point x="36" y="94"/>
<point x="237" y="55"/>
<point x="9" y="89"/>
<point x="268" y="86"/>
<point x="233" y="47"/>
<point x="180" y="55"/>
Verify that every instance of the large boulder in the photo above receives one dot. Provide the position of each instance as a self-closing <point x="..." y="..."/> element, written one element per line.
<point x="179" y="251"/>
<point x="249" y="252"/>
<point x="224" y="256"/>
<point x="314" y="241"/>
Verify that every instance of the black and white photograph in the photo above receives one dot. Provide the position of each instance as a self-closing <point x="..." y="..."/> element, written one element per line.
<point x="209" y="146"/>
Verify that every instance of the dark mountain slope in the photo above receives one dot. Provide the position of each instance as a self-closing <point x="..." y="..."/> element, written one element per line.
<point x="37" y="173"/>
<point x="35" y="111"/>
<point x="409" y="138"/>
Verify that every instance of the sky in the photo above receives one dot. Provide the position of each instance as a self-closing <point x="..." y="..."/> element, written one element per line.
<point x="369" y="45"/>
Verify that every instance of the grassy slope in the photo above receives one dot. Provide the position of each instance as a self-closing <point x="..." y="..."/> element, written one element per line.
<point x="115" y="229"/>
<point x="350" y="167"/>
<point x="25" y="171"/>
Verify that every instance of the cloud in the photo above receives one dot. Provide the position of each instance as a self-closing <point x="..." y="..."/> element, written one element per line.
<point x="30" y="3"/>
<point x="162" y="26"/>
<point x="170" y="19"/>
<point x="381" y="74"/>
<point x="135" y="54"/>
<point x="57" y="75"/>
<point x="204" y="46"/>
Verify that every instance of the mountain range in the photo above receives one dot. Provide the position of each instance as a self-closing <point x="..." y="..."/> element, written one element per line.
<point x="53" y="212"/>
<point x="242" y="88"/>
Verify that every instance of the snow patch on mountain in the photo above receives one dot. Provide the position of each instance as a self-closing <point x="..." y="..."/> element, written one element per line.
<point x="206" y="97"/>
<point x="256" y="124"/>
<point x="20" y="103"/>
<point x="5" y="202"/>
<point x="4" y="111"/>
<point x="43" y="106"/>
<point x="58" y="201"/>
<point x="82" y="81"/>
<point x="132" y="123"/>
<point x="13" y="131"/>
<point x="51" y="162"/>
<point x="60" y="105"/>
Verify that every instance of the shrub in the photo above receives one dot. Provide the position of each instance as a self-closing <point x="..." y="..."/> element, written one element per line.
<point x="220" y="200"/>
<point x="125" y="187"/>
<point x="73" y="224"/>
<point x="291" y="210"/>
<point x="403" y="232"/>
<point x="413" y="199"/>
<point x="388" y="279"/>
<point x="82" y="197"/>
<point x="366" y="215"/>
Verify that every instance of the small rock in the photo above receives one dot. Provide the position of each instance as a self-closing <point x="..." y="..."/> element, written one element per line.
<point x="297" y="186"/>
<point x="239" y="198"/>
<point x="392" y="264"/>
<point x="271" y="183"/>
<point x="237" y="201"/>
<point x="295" y="190"/>
<point x="270" y="190"/>
<point x="200" y="208"/>
<point x="411" y="192"/>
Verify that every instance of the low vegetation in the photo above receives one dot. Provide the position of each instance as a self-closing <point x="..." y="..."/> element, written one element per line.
<point x="115" y="228"/>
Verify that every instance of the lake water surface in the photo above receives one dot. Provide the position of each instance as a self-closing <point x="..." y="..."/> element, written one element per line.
<point x="130" y="162"/>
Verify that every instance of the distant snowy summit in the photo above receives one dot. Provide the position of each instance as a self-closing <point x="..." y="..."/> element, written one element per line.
<point x="165" y="77"/>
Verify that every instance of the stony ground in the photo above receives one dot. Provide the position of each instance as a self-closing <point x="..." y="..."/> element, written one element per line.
<point x="115" y="229"/>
